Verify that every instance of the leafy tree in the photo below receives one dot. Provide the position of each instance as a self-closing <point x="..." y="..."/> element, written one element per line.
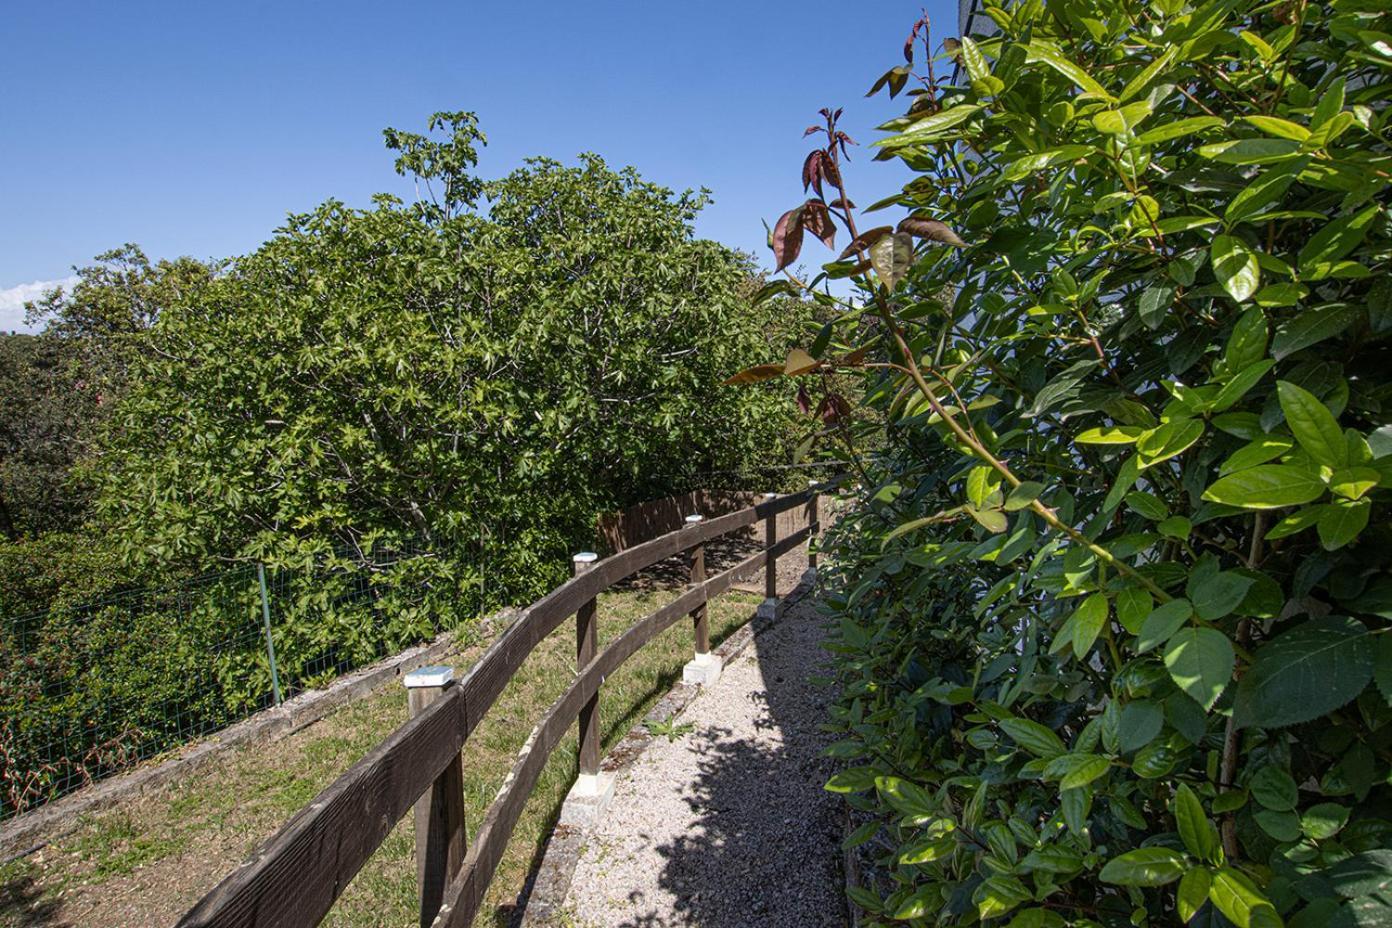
<point x="1113" y="616"/>
<point x="57" y="388"/>
<point x="490" y="381"/>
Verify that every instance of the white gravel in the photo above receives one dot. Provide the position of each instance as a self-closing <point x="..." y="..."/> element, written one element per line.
<point x="728" y="825"/>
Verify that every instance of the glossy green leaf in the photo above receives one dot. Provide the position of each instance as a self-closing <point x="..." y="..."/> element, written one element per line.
<point x="1235" y="266"/>
<point x="1305" y="672"/>
<point x="1147" y="866"/>
<point x="1313" y="425"/>
<point x="1268" y="486"/>
<point x="1195" y="830"/>
<point x="1200" y="661"/>
<point x="1162" y="623"/>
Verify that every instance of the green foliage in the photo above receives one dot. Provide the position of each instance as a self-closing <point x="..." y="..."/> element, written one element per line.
<point x="492" y="382"/>
<point x="1157" y="688"/>
<point x="58" y="388"/>
<point x="95" y="683"/>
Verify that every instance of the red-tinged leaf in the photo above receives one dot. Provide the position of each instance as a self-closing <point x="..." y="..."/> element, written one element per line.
<point x="865" y="239"/>
<point x="894" y="78"/>
<point x="812" y="171"/>
<point x="857" y="357"/>
<point x="830" y="171"/>
<point x="755" y="374"/>
<point x="804" y="402"/>
<point x="811" y="130"/>
<point x="931" y="229"/>
<point x="787" y="238"/>
<point x="799" y="362"/>
<point x="816" y="218"/>
<point x="833" y="408"/>
<point x="842" y="203"/>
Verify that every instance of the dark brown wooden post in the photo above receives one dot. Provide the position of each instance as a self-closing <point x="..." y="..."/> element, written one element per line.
<point x="769" y="606"/>
<point x="440" y="839"/>
<point x="586" y="647"/>
<point x="704" y="668"/>
<point x="813" y="524"/>
<point x="698" y="576"/>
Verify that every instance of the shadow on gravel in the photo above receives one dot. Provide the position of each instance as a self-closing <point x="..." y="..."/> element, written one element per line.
<point x="764" y="849"/>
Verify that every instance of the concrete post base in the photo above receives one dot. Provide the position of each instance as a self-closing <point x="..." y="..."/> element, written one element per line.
<point x="703" y="670"/>
<point x="588" y="799"/>
<point x="767" y="609"/>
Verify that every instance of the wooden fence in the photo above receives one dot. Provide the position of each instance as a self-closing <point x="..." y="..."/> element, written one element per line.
<point x="296" y="875"/>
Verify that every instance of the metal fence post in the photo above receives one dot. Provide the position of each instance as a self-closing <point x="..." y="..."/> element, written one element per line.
<point x="704" y="668"/>
<point x="439" y="814"/>
<point x="586" y="647"/>
<point x="270" y="644"/>
<point x="769" y="607"/>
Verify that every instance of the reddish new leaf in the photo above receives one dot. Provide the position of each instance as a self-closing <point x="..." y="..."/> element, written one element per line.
<point x="816" y="218"/>
<point x="865" y="239"/>
<point x="931" y="229"/>
<point x="831" y="172"/>
<point x="756" y="373"/>
<point x="787" y="238"/>
<point x="804" y="402"/>
<point x="833" y="408"/>
<point x="812" y="170"/>
<point x="799" y="362"/>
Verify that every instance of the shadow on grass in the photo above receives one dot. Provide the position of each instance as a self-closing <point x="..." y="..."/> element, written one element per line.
<point x="24" y="904"/>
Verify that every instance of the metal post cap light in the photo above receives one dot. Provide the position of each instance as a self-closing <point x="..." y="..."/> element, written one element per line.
<point x="692" y="520"/>
<point x="585" y="557"/>
<point x="428" y="676"/>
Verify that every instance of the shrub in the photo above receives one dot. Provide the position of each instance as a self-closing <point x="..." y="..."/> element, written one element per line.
<point x="1113" y="617"/>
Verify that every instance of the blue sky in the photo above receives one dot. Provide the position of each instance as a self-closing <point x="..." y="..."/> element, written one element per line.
<point x="193" y="128"/>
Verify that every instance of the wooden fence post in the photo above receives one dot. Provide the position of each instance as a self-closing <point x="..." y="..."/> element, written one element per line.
<point x="769" y="607"/>
<point x="440" y="838"/>
<point x="586" y="647"/>
<point x="814" y="525"/>
<point x="704" y="668"/>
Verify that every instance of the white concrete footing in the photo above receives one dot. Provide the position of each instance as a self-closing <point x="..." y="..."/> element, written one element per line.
<point x="768" y="609"/>
<point x="809" y="575"/>
<point x="702" y="670"/>
<point x="588" y="798"/>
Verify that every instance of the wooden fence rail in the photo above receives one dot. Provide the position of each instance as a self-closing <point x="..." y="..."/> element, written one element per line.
<point x="294" y="878"/>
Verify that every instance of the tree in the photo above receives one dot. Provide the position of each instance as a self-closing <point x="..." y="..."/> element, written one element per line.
<point x="489" y="382"/>
<point x="57" y="388"/>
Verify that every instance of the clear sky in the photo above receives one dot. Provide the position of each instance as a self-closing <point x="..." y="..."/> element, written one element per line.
<point x="193" y="128"/>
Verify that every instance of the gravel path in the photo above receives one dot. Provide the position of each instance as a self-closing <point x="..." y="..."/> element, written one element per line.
<point x="728" y="825"/>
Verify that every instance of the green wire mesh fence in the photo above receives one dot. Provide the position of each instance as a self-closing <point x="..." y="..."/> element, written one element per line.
<point x="90" y="689"/>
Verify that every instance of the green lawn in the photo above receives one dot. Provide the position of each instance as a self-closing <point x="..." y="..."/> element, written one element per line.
<point x="146" y="861"/>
